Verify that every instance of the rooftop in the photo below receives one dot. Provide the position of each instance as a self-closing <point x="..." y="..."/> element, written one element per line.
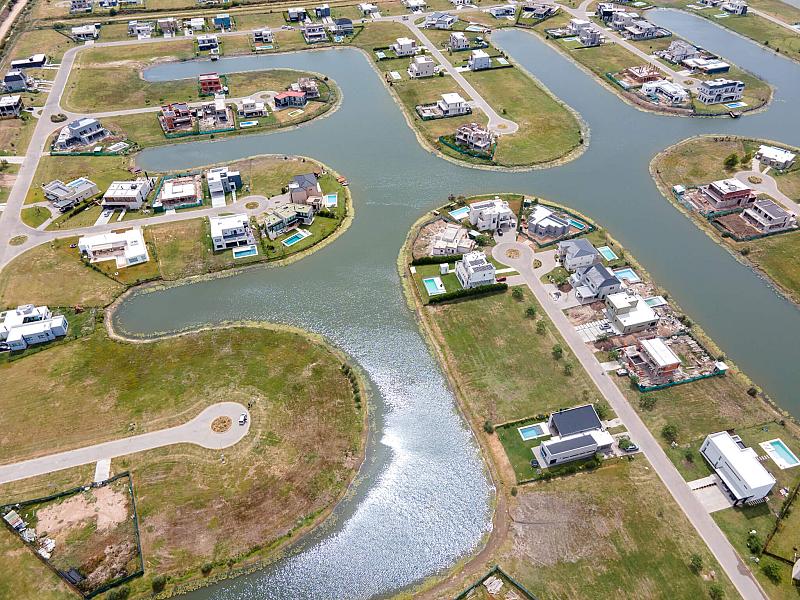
<point x="576" y="420"/>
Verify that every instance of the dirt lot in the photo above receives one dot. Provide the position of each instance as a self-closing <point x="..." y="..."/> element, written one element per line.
<point x="736" y="225"/>
<point x="586" y="313"/>
<point x="422" y="243"/>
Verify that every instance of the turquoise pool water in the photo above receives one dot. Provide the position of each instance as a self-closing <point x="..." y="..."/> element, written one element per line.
<point x="247" y="251"/>
<point x="607" y="253"/>
<point x="577" y="224"/>
<point x="293" y="239"/>
<point x="459" y="213"/>
<point x="331" y="200"/>
<point x="531" y="432"/>
<point x="629" y="274"/>
<point x="783" y="451"/>
<point x="654" y="301"/>
<point x="433" y="285"/>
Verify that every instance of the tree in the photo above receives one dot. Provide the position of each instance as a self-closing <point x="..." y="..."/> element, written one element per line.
<point x="754" y="544"/>
<point x="752" y="392"/>
<point x="772" y="571"/>
<point x="716" y="591"/>
<point x="159" y="583"/>
<point x="530" y="312"/>
<point x="541" y="328"/>
<point x="568" y="368"/>
<point x="669" y="432"/>
<point x="696" y="563"/>
<point x="517" y="294"/>
<point x="689" y="455"/>
<point x="488" y="427"/>
<point x="602" y="410"/>
<point x="558" y="351"/>
<point x="731" y="161"/>
<point x="647" y="401"/>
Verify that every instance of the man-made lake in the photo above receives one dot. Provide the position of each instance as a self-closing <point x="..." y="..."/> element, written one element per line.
<point x="423" y="499"/>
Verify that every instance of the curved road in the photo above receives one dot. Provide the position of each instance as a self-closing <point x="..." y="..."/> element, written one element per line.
<point x="196" y="431"/>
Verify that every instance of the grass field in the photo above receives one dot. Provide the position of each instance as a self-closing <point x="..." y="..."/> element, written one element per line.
<point x="15" y="134"/>
<point x="100" y="169"/>
<point x="194" y="508"/>
<point x="34" y="216"/>
<point x="700" y="160"/>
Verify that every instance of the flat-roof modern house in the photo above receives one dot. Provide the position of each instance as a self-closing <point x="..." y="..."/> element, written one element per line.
<point x="290" y="99"/>
<point x="222" y="21"/>
<point x="737" y="466"/>
<point x="66" y="195"/>
<point x="768" y="217"/>
<point x="297" y="14"/>
<point x="629" y="313"/>
<point x="196" y="24"/>
<point x="322" y="11"/>
<point x="179" y="192"/>
<point x="342" y="26"/>
<point x="421" y="66"/>
<point x="725" y="194"/>
<point x="590" y="37"/>
<point x="594" y="282"/>
<point x="141" y="29"/>
<point x="263" y="36"/>
<point x="222" y="181"/>
<point x="666" y="90"/>
<point x="660" y="359"/>
<point x="679" y="50"/>
<point x="415" y="5"/>
<point x="735" y="7"/>
<point x="126" y="248"/>
<point x="250" y="107"/>
<point x="314" y="33"/>
<point x="231" y="231"/>
<point x="210" y="83"/>
<point x="404" y="46"/>
<point x="492" y="215"/>
<point x="577" y="433"/>
<point x="474" y="136"/>
<point x="35" y="61"/>
<point x="368" y="8"/>
<point x="543" y="222"/>
<point x="716" y="91"/>
<point x="307" y="85"/>
<point x="207" y="41"/>
<point x="474" y="270"/>
<point x="577" y="253"/>
<point x="279" y="220"/>
<point x="80" y="6"/>
<point x="84" y="33"/>
<point x="28" y="325"/>
<point x="458" y="41"/>
<point x="80" y="132"/>
<point x="129" y="195"/>
<point x="479" y="60"/>
<point x="506" y="10"/>
<point x="10" y="106"/>
<point x="453" y="105"/>
<point x="777" y="158"/>
<point x="176" y="117"/>
<point x="440" y="20"/>
<point x="452" y="239"/>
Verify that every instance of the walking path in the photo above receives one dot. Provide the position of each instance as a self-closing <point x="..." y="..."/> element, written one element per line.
<point x="196" y="431"/>
<point x="729" y="560"/>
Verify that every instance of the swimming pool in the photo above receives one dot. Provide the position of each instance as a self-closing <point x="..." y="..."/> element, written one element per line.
<point x="459" y="213"/>
<point x="246" y="124"/>
<point x="654" y="301"/>
<point x="780" y="453"/>
<point x="577" y="224"/>
<point x="331" y="200"/>
<point x="531" y="432"/>
<point x="245" y="251"/>
<point x="434" y="286"/>
<point x="607" y="253"/>
<point x="736" y="105"/>
<point x="627" y="273"/>
<point x="298" y="235"/>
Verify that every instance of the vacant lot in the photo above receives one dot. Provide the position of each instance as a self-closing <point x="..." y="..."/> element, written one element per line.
<point x="100" y="169"/>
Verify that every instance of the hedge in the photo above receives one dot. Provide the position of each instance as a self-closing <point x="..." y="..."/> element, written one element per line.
<point x="435" y="260"/>
<point x="481" y="290"/>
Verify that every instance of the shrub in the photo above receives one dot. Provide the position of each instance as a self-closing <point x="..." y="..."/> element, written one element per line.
<point x="602" y="410"/>
<point x="488" y="427"/>
<point x="159" y="583"/>
<point x="696" y="563"/>
<point x="206" y="568"/>
<point x="516" y="294"/>
<point x="624" y="443"/>
<point x="754" y="544"/>
<point x="772" y="571"/>
<point x="557" y="352"/>
<point x="483" y="240"/>
<point x="647" y="402"/>
<point x="435" y="260"/>
<point x="744" y="251"/>
<point x="530" y="312"/>
<point x="689" y="455"/>
<point x="568" y="368"/>
<point x="669" y="432"/>
<point x="751" y="391"/>
<point x="731" y="161"/>
<point x="514" y="491"/>
<point x="541" y="327"/>
<point x="120" y="593"/>
<point x="716" y="592"/>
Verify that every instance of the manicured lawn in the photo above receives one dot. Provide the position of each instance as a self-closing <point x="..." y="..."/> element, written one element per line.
<point x="194" y="507"/>
<point x="100" y="169"/>
<point x="519" y="451"/>
<point x="450" y="281"/>
<point x="34" y="216"/>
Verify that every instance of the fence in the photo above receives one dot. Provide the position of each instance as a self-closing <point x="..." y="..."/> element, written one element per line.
<point x="496" y="571"/>
<point x="466" y="151"/>
<point x="784" y="512"/>
<point x="663" y="386"/>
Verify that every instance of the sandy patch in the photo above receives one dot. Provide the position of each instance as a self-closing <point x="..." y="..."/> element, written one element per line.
<point x="107" y="506"/>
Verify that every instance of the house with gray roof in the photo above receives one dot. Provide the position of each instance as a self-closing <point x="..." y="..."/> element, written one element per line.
<point x="305" y="189"/>
<point x="594" y="283"/>
<point x="577" y="253"/>
<point x="577" y="433"/>
<point x="768" y="217"/>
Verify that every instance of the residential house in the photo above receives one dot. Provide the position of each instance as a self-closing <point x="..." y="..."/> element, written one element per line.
<point x="85" y="33"/>
<point x="453" y="105"/>
<point x="176" y="116"/>
<point x="66" y="195"/>
<point x="415" y="5"/>
<point x="263" y="36"/>
<point x="768" y="217"/>
<point x="35" y="61"/>
<point x="606" y="11"/>
<point x="474" y="136"/>
<point x="404" y="46"/>
<point x="215" y="113"/>
<point x="576" y="434"/>
<point x="196" y="24"/>
<point x="322" y="11"/>
<point x="725" y="194"/>
<point x="594" y="282"/>
<point x="305" y="189"/>
<point x="10" y="106"/>
<point x="543" y="222"/>
<point x="641" y="29"/>
<point x="169" y="26"/>
<point x="231" y="231"/>
<point x="458" y="41"/>
<point x="80" y="6"/>
<point x="421" y="66"/>
<point x="461" y="3"/>
<point x="250" y="108"/>
<point x="622" y="19"/>
<point x="279" y="220"/>
<point x="290" y="99"/>
<point x="709" y="66"/>
<point x="297" y="14"/>
<point x="479" y="60"/>
<point x="222" y="21"/>
<point x="222" y="181"/>
<point x="307" y="85"/>
<point x="499" y="12"/>
<point x="658" y="357"/>
<point x="126" y="248"/>
<point x="770" y="156"/>
<point x="679" y="50"/>
<point x="179" y="192"/>
<point x="141" y="29"/>
<point x="643" y="73"/>
<point x="473" y="270"/>
<point x="492" y="215"/>
<point x="576" y="26"/>
<point x="210" y="84"/>
<point x="314" y="33"/>
<point x="342" y="27"/>
<point x="28" y="325"/>
<point x="129" y="195"/>
<point x="452" y="239"/>
<point x="735" y="7"/>
<point x="440" y="20"/>
<point x="80" y="132"/>
<point x="539" y="10"/>
<point x="590" y="37"/>
<point x="737" y="466"/>
<point x="629" y="313"/>
<point x="576" y="254"/>
<point x="207" y="41"/>
<point x="16" y="81"/>
<point x="716" y="91"/>
<point x="367" y="9"/>
<point x="666" y="90"/>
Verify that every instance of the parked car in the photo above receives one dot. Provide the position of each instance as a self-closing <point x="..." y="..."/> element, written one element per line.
<point x="632" y="448"/>
<point x="534" y="463"/>
<point x="242" y="418"/>
<point x="501" y="279"/>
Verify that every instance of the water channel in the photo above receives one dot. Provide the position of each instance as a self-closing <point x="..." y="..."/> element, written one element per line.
<point x="423" y="499"/>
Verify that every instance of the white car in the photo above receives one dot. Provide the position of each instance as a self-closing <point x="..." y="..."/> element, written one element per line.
<point x="242" y="418"/>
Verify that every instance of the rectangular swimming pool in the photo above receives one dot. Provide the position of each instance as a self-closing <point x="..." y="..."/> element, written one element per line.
<point x="654" y="301"/>
<point x="459" y="213"/>
<point x="245" y="251"/>
<point x="779" y="452"/>
<point x="434" y="286"/>
<point x="577" y="224"/>
<point x="627" y="273"/>
<point x="331" y="200"/>
<point x="607" y="253"/>
<point x="297" y="236"/>
<point x="531" y="432"/>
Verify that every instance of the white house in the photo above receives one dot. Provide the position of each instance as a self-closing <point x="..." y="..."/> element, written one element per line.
<point x="85" y="33"/>
<point x="474" y="136"/>
<point x="543" y="222"/>
<point x="440" y="20"/>
<point x="768" y="217"/>
<point x="421" y="66"/>
<point x="141" y="29"/>
<point x="577" y="253"/>
<point x="777" y="158"/>
<point x="735" y="7"/>
<point x="297" y="14"/>
<point x="10" y="106"/>
<point x="221" y="181"/>
<point x="453" y="105"/>
<point x="479" y="60"/>
<point x="127" y="247"/>
<point x="314" y="33"/>
<point x="231" y="231"/>
<point x="250" y="107"/>
<point x="492" y="215"/>
<point x="80" y="132"/>
<point x="629" y="312"/>
<point x="724" y="194"/>
<point x="577" y="433"/>
<point x="263" y="36"/>
<point x="66" y="195"/>
<point x="452" y="239"/>
<point x="415" y="5"/>
<point x="720" y="90"/>
<point x="507" y="10"/>
<point x="679" y="51"/>
<point x="130" y="195"/>
<point x="404" y="46"/>
<point x="458" y="41"/>
<point x="196" y="24"/>
<point x="80" y="6"/>
<point x="666" y="89"/>
<point x="28" y="324"/>
<point x="576" y="26"/>
<point x="281" y="219"/>
<point x="594" y="282"/>
<point x="367" y="8"/>
<point x="658" y="356"/>
<point x="737" y="466"/>
<point x="208" y="41"/>
<point x="474" y="270"/>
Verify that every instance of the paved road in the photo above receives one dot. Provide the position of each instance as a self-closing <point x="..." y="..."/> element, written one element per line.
<point x="196" y="431"/>
<point x="5" y="26"/>
<point x="775" y="20"/>
<point x="737" y="571"/>
<point x="768" y="186"/>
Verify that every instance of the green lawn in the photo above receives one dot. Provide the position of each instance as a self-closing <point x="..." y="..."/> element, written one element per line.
<point x="34" y="216"/>
<point x="100" y="169"/>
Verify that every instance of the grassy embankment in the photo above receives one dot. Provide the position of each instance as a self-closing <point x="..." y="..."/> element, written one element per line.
<point x="195" y="508"/>
<point x="701" y="160"/>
